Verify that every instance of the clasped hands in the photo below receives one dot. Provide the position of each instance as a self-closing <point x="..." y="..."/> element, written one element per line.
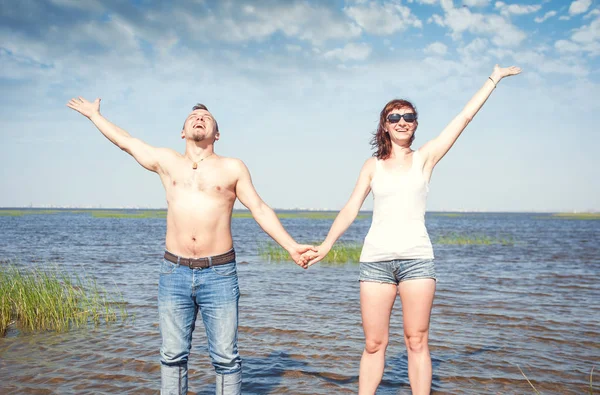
<point x="307" y="255"/>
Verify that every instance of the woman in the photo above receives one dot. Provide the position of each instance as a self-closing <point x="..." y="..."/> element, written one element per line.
<point x="397" y="257"/>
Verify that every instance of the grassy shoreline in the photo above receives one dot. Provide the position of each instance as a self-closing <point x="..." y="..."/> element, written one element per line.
<point x="282" y="214"/>
<point x="137" y="213"/>
<point x="472" y="239"/>
<point x="340" y="253"/>
<point x="39" y="300"/>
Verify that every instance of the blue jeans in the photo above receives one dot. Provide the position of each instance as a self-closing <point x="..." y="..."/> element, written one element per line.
<point x="213" y="291"/>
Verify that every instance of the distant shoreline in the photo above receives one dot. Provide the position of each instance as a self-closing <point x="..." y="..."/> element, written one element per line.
<point x="299" y="210"/>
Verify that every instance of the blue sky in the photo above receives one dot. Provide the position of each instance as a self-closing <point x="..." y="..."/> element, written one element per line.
<point x="296" y="87"/>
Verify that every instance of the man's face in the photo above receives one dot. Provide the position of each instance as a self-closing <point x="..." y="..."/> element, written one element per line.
<point x="199" y="126"/>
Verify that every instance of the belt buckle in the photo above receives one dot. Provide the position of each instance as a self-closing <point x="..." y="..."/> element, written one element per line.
<point x="197" y="263"/>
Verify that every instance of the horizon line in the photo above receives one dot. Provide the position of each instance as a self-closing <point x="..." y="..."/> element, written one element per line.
<point x="298" y="209"/>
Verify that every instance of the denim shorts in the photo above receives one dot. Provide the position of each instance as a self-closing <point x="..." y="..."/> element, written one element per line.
<point x="396" y="271"/>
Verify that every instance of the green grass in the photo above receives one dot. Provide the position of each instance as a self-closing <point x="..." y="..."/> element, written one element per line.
<point x="134" y="213"/>
<point x="20" y="213"/>
<point x="585" y="216"/>
<point x="235" y="214"/>
<point x="465" y="239"/>
<point x="340" y="253"/>
<point x="129" y="214"/>
<point x="328" y="215"/>
<point x="40" y="300"/>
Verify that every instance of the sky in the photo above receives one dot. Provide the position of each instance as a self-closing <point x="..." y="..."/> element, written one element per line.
<point x="297" y="87"/>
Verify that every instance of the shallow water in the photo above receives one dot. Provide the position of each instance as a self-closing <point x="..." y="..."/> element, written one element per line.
<point x="532" y="305"/>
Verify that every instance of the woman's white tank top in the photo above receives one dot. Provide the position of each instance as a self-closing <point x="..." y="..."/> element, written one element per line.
<point x="398" y="228"/>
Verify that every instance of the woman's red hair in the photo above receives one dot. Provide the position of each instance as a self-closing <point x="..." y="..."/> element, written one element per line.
<point x="381" y="142"/>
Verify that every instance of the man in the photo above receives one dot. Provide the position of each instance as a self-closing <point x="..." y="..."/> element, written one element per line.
<point x="198" y="272"/>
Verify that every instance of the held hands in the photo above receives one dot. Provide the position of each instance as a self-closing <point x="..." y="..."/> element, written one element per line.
<point x="299" y="254"/>
<point x="501" y="72"/>
<point x="316" y="254"/>
<point x="85" y="107"/>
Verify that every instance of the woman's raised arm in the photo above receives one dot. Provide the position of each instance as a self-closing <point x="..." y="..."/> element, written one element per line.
<point x="435" y="149"/>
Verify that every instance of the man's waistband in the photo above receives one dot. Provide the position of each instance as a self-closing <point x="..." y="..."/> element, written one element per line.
<point x="202" y="263"/>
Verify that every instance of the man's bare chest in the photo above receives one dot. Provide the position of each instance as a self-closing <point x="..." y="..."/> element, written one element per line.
<point x="215" y="183"/>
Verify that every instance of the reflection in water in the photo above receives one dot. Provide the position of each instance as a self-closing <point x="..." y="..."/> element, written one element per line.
<point x="532" y="305"/>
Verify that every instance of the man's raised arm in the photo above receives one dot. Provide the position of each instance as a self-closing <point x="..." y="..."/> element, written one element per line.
<point x="146" y="155"/>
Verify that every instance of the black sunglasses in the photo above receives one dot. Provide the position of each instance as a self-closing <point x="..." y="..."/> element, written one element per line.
<point x="409" y="117"/>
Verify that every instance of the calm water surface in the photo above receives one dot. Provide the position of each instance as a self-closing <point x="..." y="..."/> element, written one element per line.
<point x="533" y="305"/>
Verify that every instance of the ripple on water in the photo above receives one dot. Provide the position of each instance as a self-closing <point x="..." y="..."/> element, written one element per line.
<point x="532" y="305"/>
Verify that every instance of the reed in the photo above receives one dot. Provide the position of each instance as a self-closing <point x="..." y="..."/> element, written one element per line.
<point x="449" y="215"/>
<point x="20" y="213"/>
<point x="340" y="253"/>
<point x="326" y="215"/>
<point x="591" y="390"/>
<point x="241" y="214"/>
<point x="129" y="214"/>
<point x="584" y="216"/>
<point x="465" y="239"/>
<point x="134" y="213"/>
<point x="38" y="300"/>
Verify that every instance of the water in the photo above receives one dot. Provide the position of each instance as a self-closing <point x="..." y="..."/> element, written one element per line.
<point x="533" y="305"/>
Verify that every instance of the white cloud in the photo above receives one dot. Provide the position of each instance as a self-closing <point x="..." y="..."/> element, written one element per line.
<point x="293" y="48"/>
<point x="476" y="3"/>
<point x="501" y="53"/>
<point x="79" y="4"/>
<point x="114" y="42"/>
<point x="516" y="9"/>
<point x="437" y="19"/>
<point x="350" y="51"/>
<point x="536" y="59"/>
<point x="592" y="13"/>
<point x="587" y="34"/>
<point x="116" y="32"/>
<point x="564" y="18"/>
<point x="461" y="20"/>
<point x="475" y="47"/>
<point x="583" y="39"/>
<point x="477" y="54"/>
<point x="547" y="15"/>
<point x="383" y="19"/>
<point x="579" y="7"/>
<point x="436" y="48"/>
<point x="314" y="23"/>
<point x="428" y="2"/>
<point x="566" y="46"/>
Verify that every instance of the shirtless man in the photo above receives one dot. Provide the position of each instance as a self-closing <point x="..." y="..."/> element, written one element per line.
<point x="198" y="272"/>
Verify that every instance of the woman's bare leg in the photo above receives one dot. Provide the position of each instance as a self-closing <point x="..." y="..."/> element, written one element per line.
<point x="376" y="302"/>
<point x="417" y="300"/>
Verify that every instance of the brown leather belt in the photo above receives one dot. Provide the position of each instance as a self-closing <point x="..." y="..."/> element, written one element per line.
<point x="202" y="263"/>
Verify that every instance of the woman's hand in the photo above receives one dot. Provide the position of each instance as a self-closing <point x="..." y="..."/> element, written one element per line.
<point x="301" y="254"/>
<point x="501" y="72"/>
<point x="320" y="253"/>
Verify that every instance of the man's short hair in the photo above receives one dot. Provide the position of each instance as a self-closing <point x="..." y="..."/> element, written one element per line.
<point x="200" y="106"/>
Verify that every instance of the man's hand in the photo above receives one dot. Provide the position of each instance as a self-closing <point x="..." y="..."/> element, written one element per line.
<point x="298" y="254"/>
<point x="85" y="107"/>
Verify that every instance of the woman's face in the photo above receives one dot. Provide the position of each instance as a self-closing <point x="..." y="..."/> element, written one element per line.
<point x="401" y="124"/>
